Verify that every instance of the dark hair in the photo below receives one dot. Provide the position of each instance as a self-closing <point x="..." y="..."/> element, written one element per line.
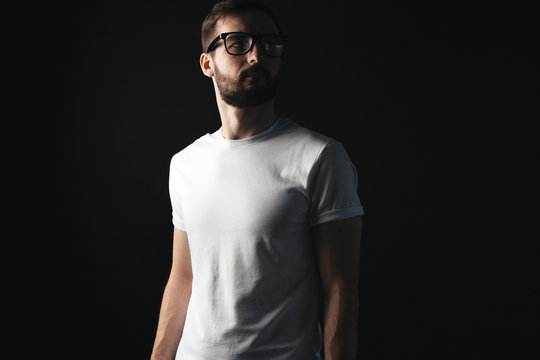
<point x="226" y="7"/>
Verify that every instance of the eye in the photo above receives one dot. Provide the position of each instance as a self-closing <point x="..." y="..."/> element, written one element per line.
<point x="239" y="45"/>
<point x="272" y="42"/>
<point x="273" y="45"/>
<point x="269" y="45"/>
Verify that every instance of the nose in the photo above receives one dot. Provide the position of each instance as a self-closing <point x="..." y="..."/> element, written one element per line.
<point x="255" y="54"/>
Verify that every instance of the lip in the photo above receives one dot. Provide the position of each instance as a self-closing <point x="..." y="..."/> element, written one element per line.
<point x="257" y="75"/>
<point x="255" y="79"/>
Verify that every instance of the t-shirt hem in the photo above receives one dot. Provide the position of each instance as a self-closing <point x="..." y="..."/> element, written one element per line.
<point x="337" y="214"/>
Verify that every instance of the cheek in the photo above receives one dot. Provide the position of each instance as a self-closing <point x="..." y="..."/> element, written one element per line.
<point x="275" y="67"/>
<point x="221" y="60"/>
<point x="229" y="66"/>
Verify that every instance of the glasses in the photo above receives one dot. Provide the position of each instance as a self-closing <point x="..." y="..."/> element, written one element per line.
<point x="240" y="43"/>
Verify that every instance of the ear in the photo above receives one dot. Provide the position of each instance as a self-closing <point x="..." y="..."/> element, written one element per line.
<point x="206" y="65"/>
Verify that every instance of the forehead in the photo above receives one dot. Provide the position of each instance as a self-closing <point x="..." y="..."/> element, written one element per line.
<point x="251" y="21"/>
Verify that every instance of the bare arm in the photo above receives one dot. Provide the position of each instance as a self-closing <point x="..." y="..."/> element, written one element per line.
<point x="338" y="252"/>
<point x="175" y="301"/>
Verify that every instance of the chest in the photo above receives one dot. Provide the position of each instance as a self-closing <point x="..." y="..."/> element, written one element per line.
<point x="236" y="193"/>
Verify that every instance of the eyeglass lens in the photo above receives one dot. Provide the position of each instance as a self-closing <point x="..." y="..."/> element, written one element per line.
<point x="239" y="44"/>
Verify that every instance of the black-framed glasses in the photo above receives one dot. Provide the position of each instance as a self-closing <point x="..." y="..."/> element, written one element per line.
<point x="240" y="43"/>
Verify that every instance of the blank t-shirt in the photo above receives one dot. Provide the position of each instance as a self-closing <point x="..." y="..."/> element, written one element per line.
<point x="247" y="207"/>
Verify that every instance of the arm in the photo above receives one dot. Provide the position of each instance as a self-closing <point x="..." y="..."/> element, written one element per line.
<point x="175" y="301"/>
<point x="338" y="254"/>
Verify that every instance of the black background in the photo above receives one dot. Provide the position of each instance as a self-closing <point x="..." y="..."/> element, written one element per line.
<point x="434" y="103"/>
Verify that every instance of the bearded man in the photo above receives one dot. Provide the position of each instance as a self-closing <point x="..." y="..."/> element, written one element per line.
<point x="266" y="216"/>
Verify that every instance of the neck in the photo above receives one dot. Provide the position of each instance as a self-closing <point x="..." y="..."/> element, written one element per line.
<point x="241" y="123"/>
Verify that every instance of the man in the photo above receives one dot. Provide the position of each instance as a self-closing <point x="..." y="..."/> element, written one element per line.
<point x="266" y="217"/>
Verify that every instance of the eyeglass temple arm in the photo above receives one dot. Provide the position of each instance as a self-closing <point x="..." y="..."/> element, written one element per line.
<point x="214" y="42"/>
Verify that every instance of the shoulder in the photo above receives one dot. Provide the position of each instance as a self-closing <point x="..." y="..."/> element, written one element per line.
<point x="304" y="139"/>
<point x="318" y="150"/>
<point x="192" y="151"/>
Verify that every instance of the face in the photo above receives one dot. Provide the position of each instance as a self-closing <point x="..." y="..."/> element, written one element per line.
<point x="246" y="80"/>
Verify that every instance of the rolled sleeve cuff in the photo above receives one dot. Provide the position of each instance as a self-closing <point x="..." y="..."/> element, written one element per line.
<point x="337" y="214"/>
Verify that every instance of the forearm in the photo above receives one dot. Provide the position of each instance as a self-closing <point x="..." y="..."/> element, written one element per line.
<point x="340" y="321"/>
<point x="171" y="319"/>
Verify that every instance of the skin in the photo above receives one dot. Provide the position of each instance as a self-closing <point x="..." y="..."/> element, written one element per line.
<point x="175" y="301"/>
<point x="338" y="257"/>
<point x="239" y="123"/>
<point x="337" y="243"/>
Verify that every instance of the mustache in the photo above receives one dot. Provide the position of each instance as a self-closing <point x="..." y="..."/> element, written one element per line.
<point x="254" y="71"/>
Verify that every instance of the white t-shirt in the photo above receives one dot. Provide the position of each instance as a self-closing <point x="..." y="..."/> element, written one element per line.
<point x="247" y="206"/>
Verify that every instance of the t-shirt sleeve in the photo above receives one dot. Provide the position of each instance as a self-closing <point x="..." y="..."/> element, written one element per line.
<point x="332" y="186"/>
<point x="174" y="194"/>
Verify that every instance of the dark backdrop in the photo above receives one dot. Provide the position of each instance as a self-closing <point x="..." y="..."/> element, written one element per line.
<point x="434" y="103"/>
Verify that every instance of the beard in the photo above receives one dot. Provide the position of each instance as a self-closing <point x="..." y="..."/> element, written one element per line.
<point x="235" y="93"/>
